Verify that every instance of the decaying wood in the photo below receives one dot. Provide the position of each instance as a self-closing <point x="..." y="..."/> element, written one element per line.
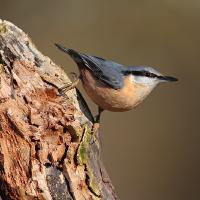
<point x="49" y="148"/>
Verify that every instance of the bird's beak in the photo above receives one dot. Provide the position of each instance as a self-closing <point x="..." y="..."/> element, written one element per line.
<point x="167" y="78"/>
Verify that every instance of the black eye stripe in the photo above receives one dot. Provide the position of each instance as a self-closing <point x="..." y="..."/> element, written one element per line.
<point x="144" y="73"/>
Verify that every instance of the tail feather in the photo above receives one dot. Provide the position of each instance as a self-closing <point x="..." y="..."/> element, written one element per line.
<point x="74" y="54"/>
<point x="62" y="48"/>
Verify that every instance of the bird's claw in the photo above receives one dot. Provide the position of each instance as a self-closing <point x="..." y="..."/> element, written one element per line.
<point x="71" y="85"/>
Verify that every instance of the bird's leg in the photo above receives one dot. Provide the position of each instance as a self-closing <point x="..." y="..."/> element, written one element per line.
<point x="97" y="121"/>
<point x="70" y="86"/>
<point x="100" y="110"/>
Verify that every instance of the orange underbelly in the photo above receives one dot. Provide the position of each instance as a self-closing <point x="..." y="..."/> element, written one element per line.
<point x="108" y="98"/>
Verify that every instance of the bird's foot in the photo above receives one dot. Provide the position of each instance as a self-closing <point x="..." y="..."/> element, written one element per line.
<point x="98" y="116"/>
<point x="71" y="85"/>
<point x="95" y="127"/>
<point x="96" y="123"/>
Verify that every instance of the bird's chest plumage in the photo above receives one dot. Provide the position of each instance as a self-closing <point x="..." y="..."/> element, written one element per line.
<point x="108" y="98"/>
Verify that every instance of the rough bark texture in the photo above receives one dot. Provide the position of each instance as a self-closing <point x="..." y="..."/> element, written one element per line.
<point x="49" y="146"/>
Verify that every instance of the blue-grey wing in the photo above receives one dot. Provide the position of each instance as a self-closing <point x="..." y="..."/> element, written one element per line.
<point x="106" y="71"/>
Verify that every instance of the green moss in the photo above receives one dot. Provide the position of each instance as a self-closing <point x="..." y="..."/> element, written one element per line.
<point x="92" y="184"/>
<point x="82" y="159"/>
<point x="3" y="28"/>
<point x="82" y="150"/>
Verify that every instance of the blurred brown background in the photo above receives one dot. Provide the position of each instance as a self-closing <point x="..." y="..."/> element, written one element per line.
<point x="151" y="153"/>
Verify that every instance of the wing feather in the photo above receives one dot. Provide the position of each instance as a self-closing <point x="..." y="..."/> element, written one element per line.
<point x="109" y="72"/>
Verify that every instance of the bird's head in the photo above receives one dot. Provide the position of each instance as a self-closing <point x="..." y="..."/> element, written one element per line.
<point x="145" y="79"/>
<point x="148" y="76"/>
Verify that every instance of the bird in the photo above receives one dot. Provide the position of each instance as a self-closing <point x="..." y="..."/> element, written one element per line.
<point x="113" y="86"/>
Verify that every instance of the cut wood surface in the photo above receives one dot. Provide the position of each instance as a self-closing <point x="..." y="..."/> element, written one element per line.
<point x="49" y="146"/>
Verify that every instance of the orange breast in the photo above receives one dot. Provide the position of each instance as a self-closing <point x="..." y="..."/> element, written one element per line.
<point x="110" y="99"/>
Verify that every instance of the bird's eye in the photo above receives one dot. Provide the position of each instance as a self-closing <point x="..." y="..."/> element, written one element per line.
<point x="145" y="73"/>
<point x="148" y="74"/>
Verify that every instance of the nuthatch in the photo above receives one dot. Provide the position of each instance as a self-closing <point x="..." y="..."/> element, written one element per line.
<point x="113" y="86"/>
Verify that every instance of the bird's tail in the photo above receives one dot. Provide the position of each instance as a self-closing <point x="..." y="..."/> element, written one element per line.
<point x="74" y="54"/>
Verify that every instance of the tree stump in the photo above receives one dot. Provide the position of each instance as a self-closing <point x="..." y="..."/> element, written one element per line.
<point x="49" y="146"/>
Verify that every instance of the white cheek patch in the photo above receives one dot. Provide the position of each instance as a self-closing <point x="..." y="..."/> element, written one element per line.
<point x="143" y="80"/>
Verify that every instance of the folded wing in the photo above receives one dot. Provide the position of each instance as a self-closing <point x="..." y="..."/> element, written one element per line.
<point x="106" y="71"/>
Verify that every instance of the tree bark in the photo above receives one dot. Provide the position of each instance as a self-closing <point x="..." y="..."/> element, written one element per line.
<point x="49" y="146"/>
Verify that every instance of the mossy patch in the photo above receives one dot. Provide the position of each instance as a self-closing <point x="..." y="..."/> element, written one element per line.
<point x="3" y="28"/>
<point x="92" y="184"/>
<point x="82" y="154"/>
<point x="82" y="150"/>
